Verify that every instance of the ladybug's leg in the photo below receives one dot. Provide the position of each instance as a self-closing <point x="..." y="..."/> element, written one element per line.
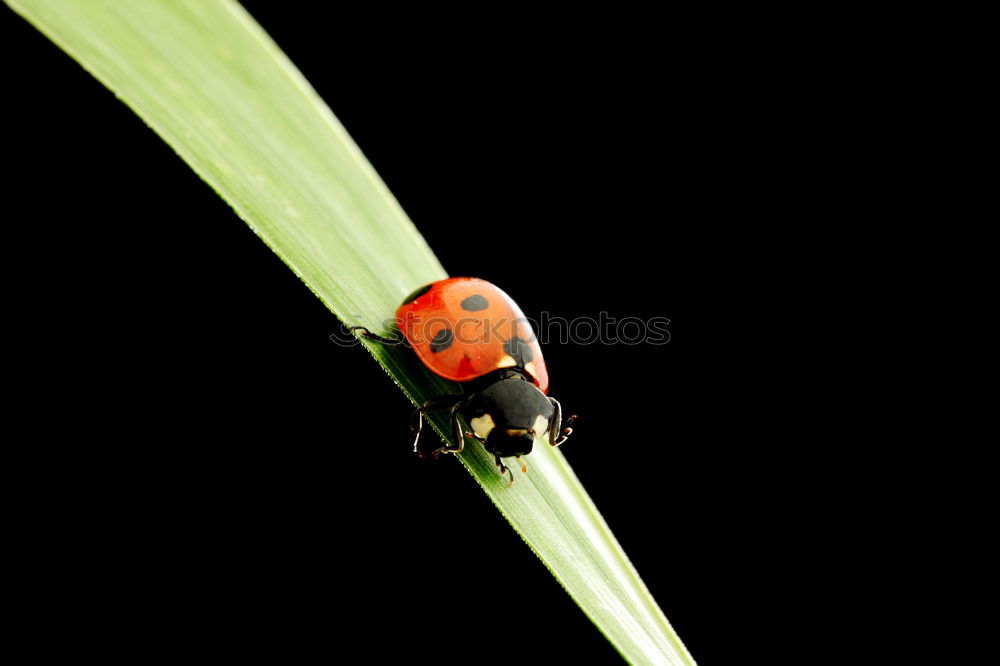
<point x="365" y="333"/>
<point x="557" y="433"/>
<point x="417" y="420"/>
<point x="456" y="430"/>
<point x="567" y="431"/>
<point x="555" y="424"/>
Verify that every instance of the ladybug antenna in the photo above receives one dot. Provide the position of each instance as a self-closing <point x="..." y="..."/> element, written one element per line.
<point x="524" y="468"/>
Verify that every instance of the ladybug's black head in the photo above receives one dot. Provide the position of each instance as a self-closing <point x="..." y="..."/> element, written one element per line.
<point x="506" y="442"/>
<point x="509" y="415"/>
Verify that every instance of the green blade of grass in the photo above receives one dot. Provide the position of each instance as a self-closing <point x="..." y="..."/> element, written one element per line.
<point x="208" y="80"/>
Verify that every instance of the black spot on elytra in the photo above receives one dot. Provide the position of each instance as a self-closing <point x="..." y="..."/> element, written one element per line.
<point x="519" y="350"/>
<point x="417" y="294"/>
<point x="475" y="303"/>
<point x="442" y="340"/>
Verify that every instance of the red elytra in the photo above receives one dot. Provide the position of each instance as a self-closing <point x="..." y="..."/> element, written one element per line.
<point x="463" y="328"/>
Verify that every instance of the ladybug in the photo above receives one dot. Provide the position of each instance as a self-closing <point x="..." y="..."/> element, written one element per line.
<point x="469" y="331"/>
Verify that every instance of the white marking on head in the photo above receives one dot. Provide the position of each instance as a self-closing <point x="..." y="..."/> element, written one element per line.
<point x="530" y="367"/>
<point x="482" y="425"/>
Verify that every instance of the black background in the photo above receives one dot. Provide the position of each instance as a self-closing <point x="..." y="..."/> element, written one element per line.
<point x="236" y="483"/>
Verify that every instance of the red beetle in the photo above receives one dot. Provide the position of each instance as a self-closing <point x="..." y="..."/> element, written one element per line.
<point x="469" y="331"/>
